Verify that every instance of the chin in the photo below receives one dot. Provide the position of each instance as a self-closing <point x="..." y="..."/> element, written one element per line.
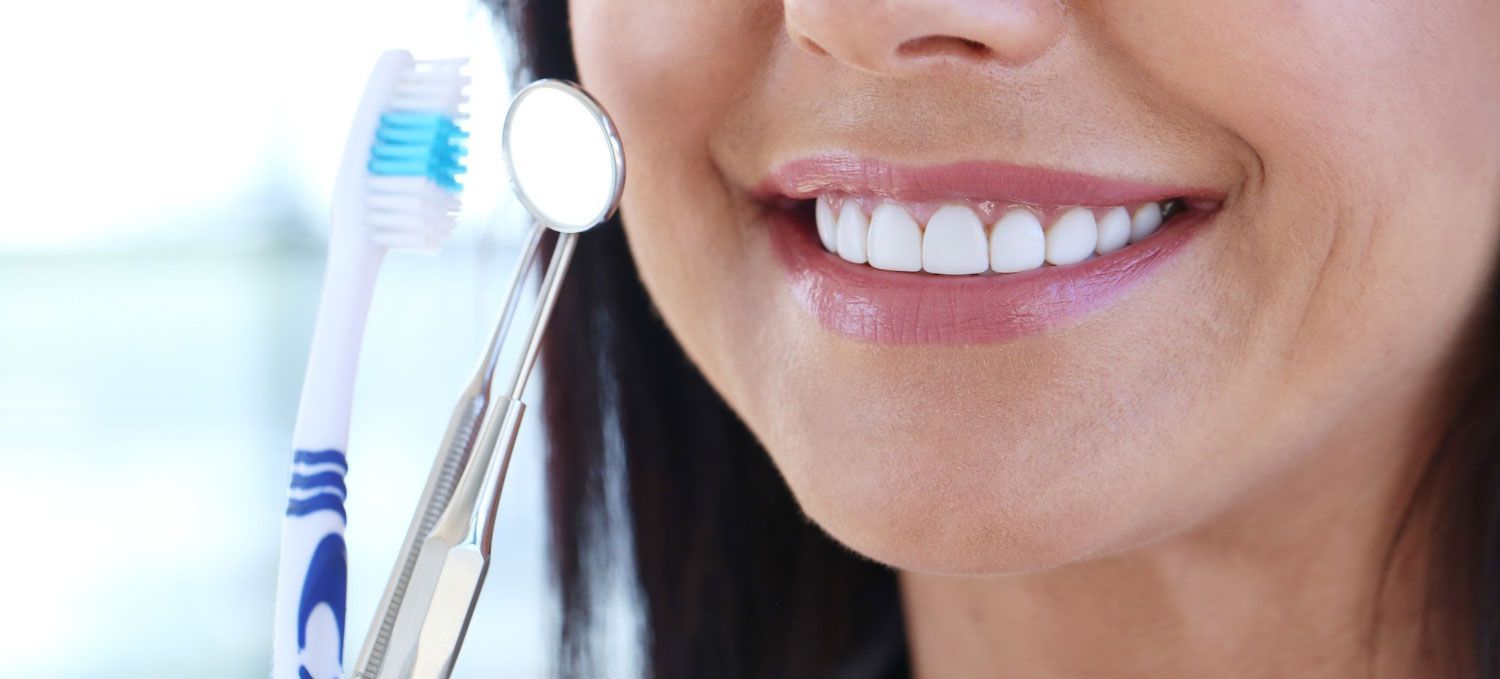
<point x="972" y="509"/>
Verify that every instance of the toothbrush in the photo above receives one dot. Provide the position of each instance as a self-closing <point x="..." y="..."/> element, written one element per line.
<point x="397" y="188"/>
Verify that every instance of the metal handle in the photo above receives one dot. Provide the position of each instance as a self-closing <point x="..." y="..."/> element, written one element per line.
<point x="453" y="455"/>
<point x="448" y="570"/>
<point x="462" y="578"/>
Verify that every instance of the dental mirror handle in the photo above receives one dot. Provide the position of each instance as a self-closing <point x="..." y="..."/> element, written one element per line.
<point x="476" y="500"/>
<point x="453" y="455"/>
<point x="458" y="584"/>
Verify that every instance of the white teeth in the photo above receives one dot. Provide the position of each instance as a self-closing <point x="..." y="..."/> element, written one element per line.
<point x="895" y="242"/>
<point x="1017" y="244"/>
<point x="1114" y="231"/>
<point x="1072" y="237"/>
<point x="1147" y="218"/>
<point x="851" y="233"/>
<point x="826" y="224"/>
<point x="954" y="242"/>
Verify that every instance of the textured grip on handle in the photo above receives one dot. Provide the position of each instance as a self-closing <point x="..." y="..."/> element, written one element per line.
<point x="457" y="445"/>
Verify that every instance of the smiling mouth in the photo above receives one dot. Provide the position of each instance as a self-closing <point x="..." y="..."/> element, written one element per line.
<point x="978" y="237"/>
<point x="970" y="252"/>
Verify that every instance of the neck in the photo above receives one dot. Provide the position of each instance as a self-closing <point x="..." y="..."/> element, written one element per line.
<point x="1291" y="581"/>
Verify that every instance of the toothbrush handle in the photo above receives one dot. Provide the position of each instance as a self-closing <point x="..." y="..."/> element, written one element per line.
<point x="312" y="578"/>
<point x="328" y="385"/>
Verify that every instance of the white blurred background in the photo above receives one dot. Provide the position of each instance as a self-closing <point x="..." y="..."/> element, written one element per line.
<point x="166" y="176"/>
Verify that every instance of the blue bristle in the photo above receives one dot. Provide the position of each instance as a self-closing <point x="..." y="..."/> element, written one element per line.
<point x="410" y="144"/>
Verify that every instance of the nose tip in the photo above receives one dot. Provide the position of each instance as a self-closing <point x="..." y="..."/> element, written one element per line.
<point x="899" y="37"/>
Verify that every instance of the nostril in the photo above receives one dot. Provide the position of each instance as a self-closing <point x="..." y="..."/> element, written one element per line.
<point x="944" y="46"/>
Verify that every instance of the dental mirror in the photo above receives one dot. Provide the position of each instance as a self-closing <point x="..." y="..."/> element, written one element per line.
<point x="564" y="156"/>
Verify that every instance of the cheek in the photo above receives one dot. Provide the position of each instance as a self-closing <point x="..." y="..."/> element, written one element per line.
<point x="668" y="95"/>
<point x="1374" y="130"/>
<point x="669" y="71"/>
<point x="664" y="110"/>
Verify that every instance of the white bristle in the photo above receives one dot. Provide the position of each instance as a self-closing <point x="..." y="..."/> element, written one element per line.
<point x="410" y="205"/>
<point x="437" y="102"/>
<point x="420" y="236"/>
<point x="447" y="78"/>
<point x="453" y="84"/>
<point x="396" y="184"/>
<point x="448" y="83"/>
<point x="436" y="201"/>
<point x="420" y="101"/>
<point x="427" y="92"/>
<point x="432" y="199"/>
<point x="434" y="77"/>
<point x="409" y="212"/>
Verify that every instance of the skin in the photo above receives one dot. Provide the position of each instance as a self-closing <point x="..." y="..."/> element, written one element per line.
<point x="1198" y="480"/>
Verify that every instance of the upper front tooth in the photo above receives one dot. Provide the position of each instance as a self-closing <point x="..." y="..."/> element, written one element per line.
<point x="954" y="242"/>
<point x="895" y="242"/>
<point x="1017" y="243"/>
<point x="1114" y="231"/>
<point x="851" y="233"/>
<point x="1146" y="219"/>
<point x="826" y="224"/>
<point x="1072" y="237"/>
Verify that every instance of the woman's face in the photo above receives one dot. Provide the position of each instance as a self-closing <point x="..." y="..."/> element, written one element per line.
<point x="1331" y="168"/>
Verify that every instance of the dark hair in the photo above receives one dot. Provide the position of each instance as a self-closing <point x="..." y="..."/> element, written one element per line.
<point x="733" y="581"/>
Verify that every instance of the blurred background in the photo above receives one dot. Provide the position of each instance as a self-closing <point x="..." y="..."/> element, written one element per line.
<point x="161" y="252"/>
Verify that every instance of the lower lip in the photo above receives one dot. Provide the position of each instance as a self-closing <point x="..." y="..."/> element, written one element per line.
<point x="891" y="307"/>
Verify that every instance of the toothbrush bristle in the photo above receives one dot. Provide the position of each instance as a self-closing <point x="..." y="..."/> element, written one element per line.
<point x="411" y="197"/>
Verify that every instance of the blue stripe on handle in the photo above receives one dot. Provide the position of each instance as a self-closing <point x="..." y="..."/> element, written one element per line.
<point x="325" y="582"/>
<point x="312" y="457"/>
<point x="334" y="480"/>
<point x="327" y="585"/>
<point x="317" y="503"/>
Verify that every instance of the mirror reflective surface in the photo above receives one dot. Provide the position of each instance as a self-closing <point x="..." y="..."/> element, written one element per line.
<point x="563" y="155"/>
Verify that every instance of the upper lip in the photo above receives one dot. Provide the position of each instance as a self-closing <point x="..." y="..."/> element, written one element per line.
<point x="810" y="176"/>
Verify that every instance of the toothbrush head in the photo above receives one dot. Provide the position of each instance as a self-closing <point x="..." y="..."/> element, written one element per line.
<point x="399" y="184"/>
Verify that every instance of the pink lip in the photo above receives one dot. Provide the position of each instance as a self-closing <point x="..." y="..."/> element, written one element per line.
<point x="1039" y="186"/>
<point x="869" y="304"/>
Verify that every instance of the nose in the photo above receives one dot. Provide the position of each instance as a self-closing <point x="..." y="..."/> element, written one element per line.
<point x="901" y="37"/>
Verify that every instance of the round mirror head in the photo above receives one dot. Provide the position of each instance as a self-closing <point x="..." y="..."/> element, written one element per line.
<point x="564" y="156"/>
